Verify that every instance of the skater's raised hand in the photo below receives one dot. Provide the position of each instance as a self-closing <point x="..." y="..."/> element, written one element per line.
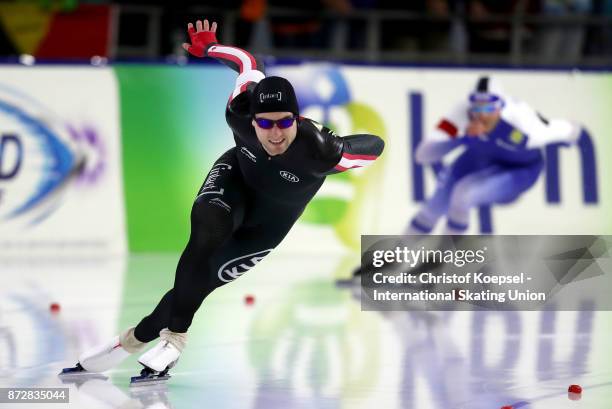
<point x="201" y="36"/>
<point x="475" y="128"/>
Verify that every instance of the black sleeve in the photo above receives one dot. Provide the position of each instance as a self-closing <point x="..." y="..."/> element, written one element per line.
<point x="358" y="151"/>
<point x="343" y="153"/>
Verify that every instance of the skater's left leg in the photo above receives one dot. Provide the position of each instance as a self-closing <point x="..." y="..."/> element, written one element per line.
<point x="216" y="213"/>
<point x="437" y="205"/>
<point x="243" y="250"/>
<point x="210" y="228"/>
<point x="495" y="184"/>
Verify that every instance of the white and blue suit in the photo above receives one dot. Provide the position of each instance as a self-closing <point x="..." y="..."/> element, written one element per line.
<point x="496" y="167"/>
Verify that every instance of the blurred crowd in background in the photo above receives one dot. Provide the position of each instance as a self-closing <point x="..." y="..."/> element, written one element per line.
<point x="514" y="32"/>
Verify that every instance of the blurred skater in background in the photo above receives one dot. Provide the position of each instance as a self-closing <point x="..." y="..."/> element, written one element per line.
<point x="503" y="140"/>
<point x="502" y="158"/>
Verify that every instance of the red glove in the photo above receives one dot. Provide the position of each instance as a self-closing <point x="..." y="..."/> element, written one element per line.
<point x="200" y="38"/>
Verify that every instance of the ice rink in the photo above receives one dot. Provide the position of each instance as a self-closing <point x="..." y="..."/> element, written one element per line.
<point x="304" y="343"/>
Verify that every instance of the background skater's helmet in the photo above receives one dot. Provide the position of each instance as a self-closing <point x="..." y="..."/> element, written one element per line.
<point x="488" y="92"/>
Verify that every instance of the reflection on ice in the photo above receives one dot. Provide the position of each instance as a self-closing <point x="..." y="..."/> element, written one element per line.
<point x="305" y="344"/>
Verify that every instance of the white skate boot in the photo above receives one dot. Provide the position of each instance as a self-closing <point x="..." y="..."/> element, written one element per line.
<point x="158" y="360"/>
<point x="106" y="356"/>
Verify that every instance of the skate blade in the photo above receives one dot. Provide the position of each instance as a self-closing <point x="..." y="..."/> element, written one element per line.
<point x="141" y="381"/>
<point x="79" y="372"/>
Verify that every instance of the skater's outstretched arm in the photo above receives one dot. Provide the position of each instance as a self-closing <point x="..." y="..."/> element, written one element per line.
<point x="432" y="151"/>
<point x="204" y="44"/>
<point x="343" y="153"/>
<point x="444" y="138"/>
<point x="359" y="151"/>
